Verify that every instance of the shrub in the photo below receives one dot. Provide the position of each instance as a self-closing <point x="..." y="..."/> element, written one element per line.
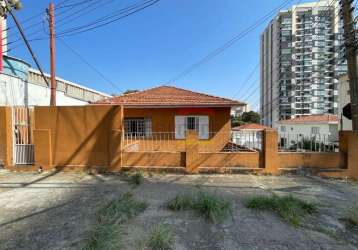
<point x="106" y="232"/>
<point x="181" y="202"/>
<point x="291" y="209"/>
<point x="137" y="178"/>
<point x="207" y="205"/>
<point x="212" y="207"/>
<point x="161" y="238"/>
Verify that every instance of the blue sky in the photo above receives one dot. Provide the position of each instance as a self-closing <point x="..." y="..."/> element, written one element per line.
<point x="152" y="46"/>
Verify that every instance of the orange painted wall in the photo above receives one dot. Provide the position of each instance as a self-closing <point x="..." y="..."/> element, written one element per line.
<point x="79" y="135"/>
<point x="166" y="159"/>
<point x="163" y="120"/>
<point x="6" y="144"/>
<point x="309" y="160"/>
<point x="225" y="159"/>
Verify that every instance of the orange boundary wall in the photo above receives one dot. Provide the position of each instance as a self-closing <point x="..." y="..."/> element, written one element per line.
<point x="6" y="136"/>
<point x="78" y="138"/>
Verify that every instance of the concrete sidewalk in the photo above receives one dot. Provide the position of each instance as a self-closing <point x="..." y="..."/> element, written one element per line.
<point x="57" y="211"/>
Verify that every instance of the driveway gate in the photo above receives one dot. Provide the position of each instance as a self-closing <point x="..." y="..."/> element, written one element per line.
<point x="22" y="128"/>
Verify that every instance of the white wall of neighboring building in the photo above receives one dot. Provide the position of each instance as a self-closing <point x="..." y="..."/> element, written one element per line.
<point x="325" y="132"/>
<point x="239" y="110"/>
<point x="40" y="96"/>
<point x="343" y="99"/>
<point x="16" y="92"/>
<point x="250" y="138"/>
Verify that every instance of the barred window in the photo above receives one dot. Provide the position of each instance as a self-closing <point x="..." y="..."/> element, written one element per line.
<point x="138" y="126"/>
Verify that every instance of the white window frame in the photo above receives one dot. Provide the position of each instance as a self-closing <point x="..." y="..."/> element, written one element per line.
<point x="143" y="126"/>
<point x="201" y="125"/>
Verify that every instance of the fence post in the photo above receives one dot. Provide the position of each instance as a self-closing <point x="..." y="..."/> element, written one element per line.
<point x="270" y="151"/>
<point x="192" y="151"/>
<point x="352" y="156"/>
<point x="6" y="136"/>
<point x="343" y="148"/>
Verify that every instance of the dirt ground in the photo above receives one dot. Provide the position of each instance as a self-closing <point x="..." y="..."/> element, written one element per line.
<point x="57" y="211"/>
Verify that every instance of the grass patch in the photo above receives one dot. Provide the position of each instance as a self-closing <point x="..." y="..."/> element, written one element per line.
<point x="212" y="207"/>
<point x="181" y="202"/>
<point x="209" y="206"/>
<point x="161" y="238"/>
<point x="291" y="209"/>
<point x="109" y="219"/>
<point x="137" y="178"/>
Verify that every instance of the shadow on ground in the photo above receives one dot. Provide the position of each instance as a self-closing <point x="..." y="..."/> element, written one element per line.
<point x="57" y="211"/>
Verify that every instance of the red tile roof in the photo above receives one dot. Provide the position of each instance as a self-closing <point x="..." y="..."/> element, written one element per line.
<point x="312" y="119"/>
<point x="169" y="96"/>
<point x="251" y="126"/>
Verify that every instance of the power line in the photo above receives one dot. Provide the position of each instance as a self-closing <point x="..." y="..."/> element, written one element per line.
<point x="35" y="25"/>
<point x="247" y="80"/>
<point x="125" y="12"/>
<point x="251" y="94"/>
<point x="229" y="43"/>
<point x="73" y="4"/>
<point x="90" y="65"/>
<point x="35" y="16"/>
<point x="27" y="44"/>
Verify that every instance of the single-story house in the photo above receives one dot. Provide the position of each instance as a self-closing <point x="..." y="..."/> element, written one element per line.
<point x="165" y="113"/>
<point x="320" y="128"/>
<point x="248" y="135"/>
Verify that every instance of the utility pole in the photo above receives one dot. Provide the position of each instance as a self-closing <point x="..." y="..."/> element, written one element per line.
<point x="351" y="46"/>
<point x="6" y="7"/>
<point x="51" y="15"/>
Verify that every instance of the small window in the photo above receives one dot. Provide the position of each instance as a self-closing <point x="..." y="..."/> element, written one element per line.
<point x="314" y="130"/>
<point x="198" y="123"/>
<point x="283" y="129"/>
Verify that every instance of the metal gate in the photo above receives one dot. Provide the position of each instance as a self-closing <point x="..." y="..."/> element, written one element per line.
<point x="24" y="150"/>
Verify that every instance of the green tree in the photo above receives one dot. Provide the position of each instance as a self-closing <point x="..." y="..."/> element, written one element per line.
<point x="251" y="117"/>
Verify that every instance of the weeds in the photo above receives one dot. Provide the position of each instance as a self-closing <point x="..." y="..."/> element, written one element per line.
<point x="209" y="206"/>
<point x="289" y="208"/>
<point x="137" y="178"/>
<point x="161" y="238"/>
<point x="181" y="202"/>
<point x="109" y="219"/>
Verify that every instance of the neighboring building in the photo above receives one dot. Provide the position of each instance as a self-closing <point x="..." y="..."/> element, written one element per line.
<point x="248" y="135"/>
<point x="20" y="85"/>
<point x="323" y="128"/>
<point x="300" y="60"/>
<point x="239" y="110"/>
<point x="343" y="99"/>
<point x="166" y="113"/>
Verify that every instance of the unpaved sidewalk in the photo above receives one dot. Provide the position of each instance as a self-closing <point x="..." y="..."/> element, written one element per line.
<point x="57" y="211"/>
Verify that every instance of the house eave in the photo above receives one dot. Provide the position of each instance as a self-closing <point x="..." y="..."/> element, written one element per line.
<point x="172" y="106"/>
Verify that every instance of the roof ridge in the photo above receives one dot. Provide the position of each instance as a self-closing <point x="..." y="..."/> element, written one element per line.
<point x="201" y="93"/>
<point x="169" y="94"/>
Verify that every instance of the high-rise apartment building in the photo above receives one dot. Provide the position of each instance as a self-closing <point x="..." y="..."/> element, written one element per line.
<point x="301" y="59"/>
